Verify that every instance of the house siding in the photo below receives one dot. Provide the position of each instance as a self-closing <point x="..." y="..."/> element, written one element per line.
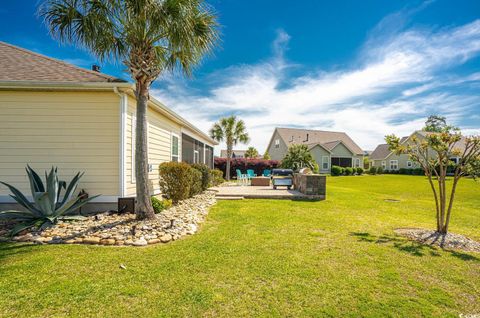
<point x="160" y="130"/>
<point x="74" y="131"/>
<point x="318" y="153"/>
<point x="280" y="152"/>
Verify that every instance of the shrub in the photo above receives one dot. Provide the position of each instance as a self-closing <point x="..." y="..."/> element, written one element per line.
<point x="216" y="177"/>
<point x="359" y="171"/>
<point x="160" y="205"/>
<point x="298" y="156"/>
<point x="257" y="165"/>
<point x="380" y="170"/>
<point x="336" y="171"/>
<point x="418" y="172"/>
<point x="49" y="206"/>
<point x="205" y="171"/>
<point x="403" y="171"/>
<point x="374" y="170"/>
<point x="176" y="180"/>
<point x="348" y="171"/>
<point x="196" y="186"/>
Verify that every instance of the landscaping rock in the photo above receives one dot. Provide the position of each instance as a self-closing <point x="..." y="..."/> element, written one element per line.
<point x="433" y="238"/>
<point x="123" y="229"/>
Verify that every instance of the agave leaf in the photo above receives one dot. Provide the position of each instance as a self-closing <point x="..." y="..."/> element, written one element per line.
<point x="72" y="218"/>
<point x="61" y="184"/>
<point x="74" y="204"/>
<point x="42" y="201"/>
<point x="52" y="188"/>
<point x="37" y="181"/>
<point x="16" y="215"/>
<point x="71" y="187"/>
<point x="22" y="226"/>
<point x="21" y="199"/>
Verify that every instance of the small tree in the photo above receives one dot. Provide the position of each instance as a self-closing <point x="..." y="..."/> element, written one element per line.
<point x="433" y="151"/>
<point x="251" y="153"/>
<point x="298" y="157"/>
<point x="266" y="156"/>
<point x="232" y="131"/>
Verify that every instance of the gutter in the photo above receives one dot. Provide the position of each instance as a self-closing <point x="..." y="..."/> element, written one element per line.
<point x="123" y="140"/>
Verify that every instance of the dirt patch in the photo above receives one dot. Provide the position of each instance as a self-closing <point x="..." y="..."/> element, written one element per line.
<point x="445" y="241"/>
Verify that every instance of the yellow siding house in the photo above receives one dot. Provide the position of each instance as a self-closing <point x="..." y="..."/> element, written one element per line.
<point x="54" y="113"/>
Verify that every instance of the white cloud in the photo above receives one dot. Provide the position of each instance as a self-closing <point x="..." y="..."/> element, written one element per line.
<point x="392" y="90"/>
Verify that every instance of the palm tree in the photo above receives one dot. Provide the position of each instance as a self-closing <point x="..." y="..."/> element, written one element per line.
<point x="148" y="37"/>
<point x="232" y="131"/>
<point x="251" y="153"/>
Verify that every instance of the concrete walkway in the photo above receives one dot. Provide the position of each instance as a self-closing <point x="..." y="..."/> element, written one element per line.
<point x="239" y="192"/>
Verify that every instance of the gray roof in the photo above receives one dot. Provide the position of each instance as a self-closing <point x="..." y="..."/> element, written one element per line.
<point x="18" y="64"/>
<point x="328" y="139"/>
<point x="223" y="153"/>
<point x="381" y="152"/>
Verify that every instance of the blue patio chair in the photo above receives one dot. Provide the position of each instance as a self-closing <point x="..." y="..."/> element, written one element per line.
<point x="267" y="173"/>
<point x="240" y="176"/>
<point x="250" y="174"/>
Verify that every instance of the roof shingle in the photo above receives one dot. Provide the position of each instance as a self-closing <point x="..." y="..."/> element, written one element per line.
<point x="18" y="64"/>
<point x="328" y="139"/>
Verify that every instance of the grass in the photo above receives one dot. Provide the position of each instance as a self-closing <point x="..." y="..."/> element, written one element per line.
<point x="333" y="258"/>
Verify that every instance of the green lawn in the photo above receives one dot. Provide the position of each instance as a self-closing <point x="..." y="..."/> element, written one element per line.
<point x="333" y="258"/>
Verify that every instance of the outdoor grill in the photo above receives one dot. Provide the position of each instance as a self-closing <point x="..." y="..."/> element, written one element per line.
<point x="282" y="177"/>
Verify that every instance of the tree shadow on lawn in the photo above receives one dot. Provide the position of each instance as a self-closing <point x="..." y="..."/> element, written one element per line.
<point x="408" y="246"/>
<point x="15" y="249"/>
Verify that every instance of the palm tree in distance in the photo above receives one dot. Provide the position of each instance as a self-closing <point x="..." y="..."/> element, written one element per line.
<point x="148" y="37"/>
<point x="231" y="131"/>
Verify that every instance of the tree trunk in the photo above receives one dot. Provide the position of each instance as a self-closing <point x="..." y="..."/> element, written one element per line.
<point x="229" y="158"/>
<point x="144" y="209"/>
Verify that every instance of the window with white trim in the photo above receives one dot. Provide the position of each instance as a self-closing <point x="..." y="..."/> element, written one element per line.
<point x="384" y="165"/>
<point x="393" y="164"/>
<point x="277" y="143"/>
<point x="357" y="162"/>
<point x="409" y="164"/>
<point x="325" y="163"/>
<point x="175" y="148"/>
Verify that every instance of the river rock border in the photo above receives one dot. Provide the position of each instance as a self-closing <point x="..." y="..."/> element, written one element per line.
<point x="123" y="229"/>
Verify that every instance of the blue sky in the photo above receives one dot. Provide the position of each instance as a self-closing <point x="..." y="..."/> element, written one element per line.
<point x="369" y="68"/>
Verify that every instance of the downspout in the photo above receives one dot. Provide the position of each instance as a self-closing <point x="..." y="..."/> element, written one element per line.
<point x="123" y="139"/>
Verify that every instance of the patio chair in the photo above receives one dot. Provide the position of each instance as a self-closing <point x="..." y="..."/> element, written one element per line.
<point x="250" y="174"/>
<point x="242" y="178"/>
<point x="267" y="173"/>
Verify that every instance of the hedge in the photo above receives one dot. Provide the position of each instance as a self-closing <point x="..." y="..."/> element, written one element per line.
<point x="336" y="171"/>
<point x="257" y="165"/>
<point x="176" y="180"/>
<point x="205" y="171"/>
<point x="216" y="177"/>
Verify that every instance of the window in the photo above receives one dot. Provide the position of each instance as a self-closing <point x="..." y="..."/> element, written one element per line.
<point x="384" y="165"/>
<point x="175" y="153"/>
<point x="393" y="164"/>
<point x="324" y="162"/>
<point x="409" y="164"/>
<point x="357" y="162"/>
<point x="277" y="143"/>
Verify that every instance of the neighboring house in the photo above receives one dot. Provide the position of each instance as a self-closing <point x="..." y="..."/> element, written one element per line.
<point x="56" y="114"/>
<point x="235" y="153"/>
<point x="390" y="161"/>
<point x="327" y="147"/>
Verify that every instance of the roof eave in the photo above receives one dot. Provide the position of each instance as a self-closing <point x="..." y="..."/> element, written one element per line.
<point x="62" y="85"/>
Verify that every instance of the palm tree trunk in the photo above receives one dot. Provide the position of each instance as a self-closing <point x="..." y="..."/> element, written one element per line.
<point x="144" y="209"/>
<point x="229" y="158"/>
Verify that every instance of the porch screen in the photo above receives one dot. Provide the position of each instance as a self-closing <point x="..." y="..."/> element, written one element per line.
<point x="341" y="162"/>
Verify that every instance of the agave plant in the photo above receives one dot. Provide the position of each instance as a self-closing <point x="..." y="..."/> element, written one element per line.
<point x="48" y="205"/>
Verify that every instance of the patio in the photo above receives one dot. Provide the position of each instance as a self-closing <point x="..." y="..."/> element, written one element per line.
<point x="238" y="192"/>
